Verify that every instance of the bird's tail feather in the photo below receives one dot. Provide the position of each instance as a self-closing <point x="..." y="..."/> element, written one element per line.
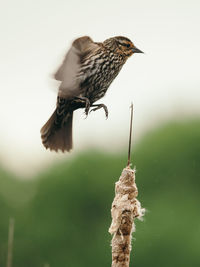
<point x="57" y="132"/>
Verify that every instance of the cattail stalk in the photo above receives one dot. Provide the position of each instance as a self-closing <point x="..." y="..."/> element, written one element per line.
<point x="125" y="208"/>
<point x="10" y="241"/>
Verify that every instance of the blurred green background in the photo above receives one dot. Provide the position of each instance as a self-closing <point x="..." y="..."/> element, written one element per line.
<point x="63" y="215"/>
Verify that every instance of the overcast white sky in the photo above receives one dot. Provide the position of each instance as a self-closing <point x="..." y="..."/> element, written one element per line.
<point x="35" y="35"/>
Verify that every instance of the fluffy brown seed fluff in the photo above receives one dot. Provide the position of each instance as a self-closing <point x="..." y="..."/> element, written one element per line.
<point x="85" y="75"/>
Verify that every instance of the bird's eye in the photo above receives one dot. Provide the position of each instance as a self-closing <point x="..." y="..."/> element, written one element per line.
<point x="128" y="45"/>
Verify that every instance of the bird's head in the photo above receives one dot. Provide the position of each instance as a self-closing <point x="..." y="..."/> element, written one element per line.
<point x="122" y="46"/>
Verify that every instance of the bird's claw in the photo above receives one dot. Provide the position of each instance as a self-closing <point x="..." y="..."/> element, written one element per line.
<point x="101" y="106"/>
<point x="86" y="102"/>
<point x="87" y="107"/>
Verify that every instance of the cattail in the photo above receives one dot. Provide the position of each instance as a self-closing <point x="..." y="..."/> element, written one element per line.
<point x="125" y="208"/>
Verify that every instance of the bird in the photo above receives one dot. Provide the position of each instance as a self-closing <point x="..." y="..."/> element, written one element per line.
<point x="85" y="74"/>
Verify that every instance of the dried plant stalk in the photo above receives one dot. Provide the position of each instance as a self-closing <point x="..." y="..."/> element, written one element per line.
<point x="125" y="208"/>
<point x="10" y="241"/>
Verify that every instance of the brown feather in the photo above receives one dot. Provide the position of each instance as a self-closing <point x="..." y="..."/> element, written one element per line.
<point x="68" y="72"/>
<point x="56" y="138"/>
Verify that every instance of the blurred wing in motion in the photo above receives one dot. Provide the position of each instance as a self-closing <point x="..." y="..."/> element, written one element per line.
<point x="57" y="132"/>
<point x="69" y="72"/>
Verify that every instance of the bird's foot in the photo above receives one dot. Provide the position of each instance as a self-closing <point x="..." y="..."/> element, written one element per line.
<point x="98" y="106"/>
<point x="87" y="107"/>
<point x="86" y="102"/>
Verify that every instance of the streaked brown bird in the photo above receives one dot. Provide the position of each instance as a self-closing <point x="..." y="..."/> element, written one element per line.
<point x="85" y="74"/>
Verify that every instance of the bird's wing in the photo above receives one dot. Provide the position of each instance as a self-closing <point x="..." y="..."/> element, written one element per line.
<point x="68" y="72"/>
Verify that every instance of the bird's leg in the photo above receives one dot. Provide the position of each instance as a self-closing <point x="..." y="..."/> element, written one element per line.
<point x="85" y="101"/>
<point x="98" y="106"/>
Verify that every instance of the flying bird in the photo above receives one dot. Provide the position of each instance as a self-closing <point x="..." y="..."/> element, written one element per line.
<point x="86" y="73"/>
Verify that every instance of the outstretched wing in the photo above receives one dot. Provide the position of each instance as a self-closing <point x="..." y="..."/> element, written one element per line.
<point x="68" y="72"/>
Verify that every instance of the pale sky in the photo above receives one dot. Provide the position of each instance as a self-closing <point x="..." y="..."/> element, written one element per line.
<point x="35" y="35"/>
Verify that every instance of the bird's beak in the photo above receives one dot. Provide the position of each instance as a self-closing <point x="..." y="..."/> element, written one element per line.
<point x="136" y="50"/>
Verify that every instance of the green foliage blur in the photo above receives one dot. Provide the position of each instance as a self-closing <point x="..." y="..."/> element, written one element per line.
<point x="62" y="217"/>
